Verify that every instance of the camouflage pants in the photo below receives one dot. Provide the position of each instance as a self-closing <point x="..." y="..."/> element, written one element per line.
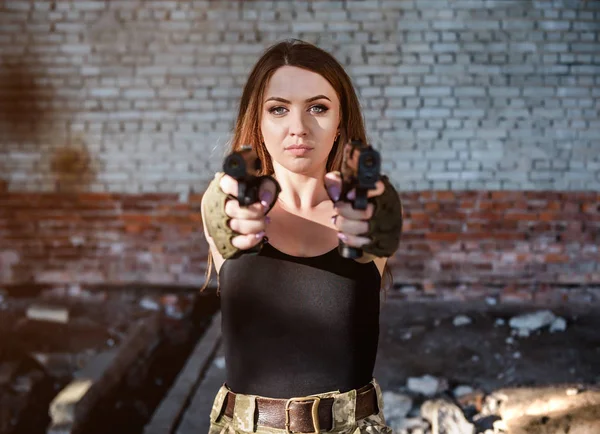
<point x="343" y="415"/>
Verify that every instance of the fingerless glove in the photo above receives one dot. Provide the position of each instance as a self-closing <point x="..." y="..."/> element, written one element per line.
<point x="217" y="221"/>
<point x="385" y="226"/>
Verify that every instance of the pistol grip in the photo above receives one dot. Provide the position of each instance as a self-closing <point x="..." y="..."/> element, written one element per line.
<point x="349" y="252"/>
<point x="361" y="201"/>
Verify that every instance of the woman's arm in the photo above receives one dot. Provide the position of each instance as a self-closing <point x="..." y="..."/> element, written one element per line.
<point x="379" y="262"/>
<point x="217" y="258"/>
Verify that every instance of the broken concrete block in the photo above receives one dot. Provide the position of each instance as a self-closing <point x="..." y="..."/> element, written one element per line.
<point x="219" y="362"/>
<point x="446" y="418"/>
<point x="62" y="407"/>
<point x="461" y="320"/>
<point x="558" y="325"/>
<point x="532" y="321"/>
<point x="48" y="313"/>
<point x="395" y="407"/>
<point x="462" y="390"/>
<point x="101" y="374"/>
<point x="426" y="385"/>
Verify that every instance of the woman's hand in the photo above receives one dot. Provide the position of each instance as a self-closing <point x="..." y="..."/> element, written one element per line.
<point x="249" y="221"/>
<point x="352" y="224"/>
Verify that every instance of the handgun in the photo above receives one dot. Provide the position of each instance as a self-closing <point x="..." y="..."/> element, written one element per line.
<point x="361" y="166"/>
<point x="244" y="166"/>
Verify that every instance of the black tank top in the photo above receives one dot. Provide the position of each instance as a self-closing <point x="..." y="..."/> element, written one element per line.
<point x="296" y="326"/>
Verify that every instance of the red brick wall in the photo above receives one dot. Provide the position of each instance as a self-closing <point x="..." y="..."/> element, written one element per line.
<point x="113" y="111"/>
<point x="483" y="238"/>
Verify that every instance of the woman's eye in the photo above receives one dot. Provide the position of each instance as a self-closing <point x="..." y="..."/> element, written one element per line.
<point x="316" y="109"/>
<point x="277" y="110"/>
<point x="319" y="109"/>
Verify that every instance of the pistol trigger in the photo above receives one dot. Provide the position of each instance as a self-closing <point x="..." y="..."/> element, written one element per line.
<point x="242" y="193"/>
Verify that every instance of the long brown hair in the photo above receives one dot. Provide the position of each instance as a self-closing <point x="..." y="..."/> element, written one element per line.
<point x="294" y="52"/>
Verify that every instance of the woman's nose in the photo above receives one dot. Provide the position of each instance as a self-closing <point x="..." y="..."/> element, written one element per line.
<point x="298" y="125"/>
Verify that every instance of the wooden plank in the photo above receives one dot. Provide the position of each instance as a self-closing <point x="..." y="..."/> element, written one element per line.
<point x="197" y="418"/>
<point x="71" y="408"/>
<point x="174" y="406"/>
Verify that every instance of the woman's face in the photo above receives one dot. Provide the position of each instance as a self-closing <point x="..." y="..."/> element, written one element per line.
<point x="299" y="119"/>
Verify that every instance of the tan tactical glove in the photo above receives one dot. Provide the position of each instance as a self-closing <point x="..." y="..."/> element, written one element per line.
<point x="217" y="221"/>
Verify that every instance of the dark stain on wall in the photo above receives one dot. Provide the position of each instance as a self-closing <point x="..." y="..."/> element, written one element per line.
<point x="73" y="167"/>
<point x="25" y="103"/>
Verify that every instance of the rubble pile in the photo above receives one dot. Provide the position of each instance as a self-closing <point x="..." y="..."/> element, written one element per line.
<point x="433" y="405"/>
<point x="48" y="339"/>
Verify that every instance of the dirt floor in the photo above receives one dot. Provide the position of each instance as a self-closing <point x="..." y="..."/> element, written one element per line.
<point x="39" y="357"/>
<point x="419" y="338"/>
<point x="545" y="383"/>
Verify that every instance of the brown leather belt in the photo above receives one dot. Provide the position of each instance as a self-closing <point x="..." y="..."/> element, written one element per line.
<point x="306" y="414"/>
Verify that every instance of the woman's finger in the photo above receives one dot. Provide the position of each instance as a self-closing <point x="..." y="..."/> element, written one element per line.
<point x="229" y="185"/>
<point x="379" y="188"/>
<point x="352" y="227"/>
<point x="250" y="212"/>
<point x="245" y="242"/>
<point x="266" y="193"/>
<point x="353" y="240"/>
<point x="247" y="227"/>
<point x="333" y="185"/>
<point x="345" y="209"/>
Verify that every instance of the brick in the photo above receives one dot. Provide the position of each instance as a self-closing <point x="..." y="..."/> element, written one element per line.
<point x="587" y="47"/>
<point x="437" y="75"/>
<point x="434" y="112"/>
<point x="315" y="26"/>
<point x="399" y="91"/>
<point x="139" y="93"/>
<point x="400" y="114"/>
<point x="342" y="26"/>
<point x="469" y="91"/>
<point x="435" y="91"/>
<point x="554" y="25"/>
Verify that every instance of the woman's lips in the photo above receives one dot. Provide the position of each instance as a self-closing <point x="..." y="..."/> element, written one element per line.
<point x="298" y="150"/>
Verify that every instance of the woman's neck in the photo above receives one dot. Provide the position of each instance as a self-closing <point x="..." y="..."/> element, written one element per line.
<point x="301" y="192"/>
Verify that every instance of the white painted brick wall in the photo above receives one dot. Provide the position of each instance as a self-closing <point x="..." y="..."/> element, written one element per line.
<point x="461" y="94"/>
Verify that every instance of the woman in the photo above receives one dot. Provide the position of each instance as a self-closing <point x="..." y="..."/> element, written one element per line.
<point x="300" y="322"/>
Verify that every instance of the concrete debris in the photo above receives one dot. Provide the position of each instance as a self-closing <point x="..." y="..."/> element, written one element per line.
<point x="40" y="312"/>
<point x="427" y="385"/>
<point x="572" y="391"/>
<point x="558" y="325"/>
<point x="532" y="321"/>
<point x="62" y="408"/>
<point x="548" y="409"/>
<point x="462" y="391"/>
<point x="491" y="301"/>
<point x="149" y="304"/>
<point x="499" y="322"/>
<point x="522" y="333"/>
<point x="492" y="403"/>
<point x="461" y="320"/>
<point x="219" y="362"/>
<point x="446" y="417"/>
<point x="500" y="426"/>
<point x="412" y="425"/>
<point x="395" y="407"/>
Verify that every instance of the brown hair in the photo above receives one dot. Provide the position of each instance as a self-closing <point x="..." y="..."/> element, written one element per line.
<point x="294" y="52"/>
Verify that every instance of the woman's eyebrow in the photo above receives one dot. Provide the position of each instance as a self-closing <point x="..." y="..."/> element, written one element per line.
<point x="314" y="98"/>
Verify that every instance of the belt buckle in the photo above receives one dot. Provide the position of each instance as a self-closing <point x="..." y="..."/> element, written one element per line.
<point x="314" y="413"/>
